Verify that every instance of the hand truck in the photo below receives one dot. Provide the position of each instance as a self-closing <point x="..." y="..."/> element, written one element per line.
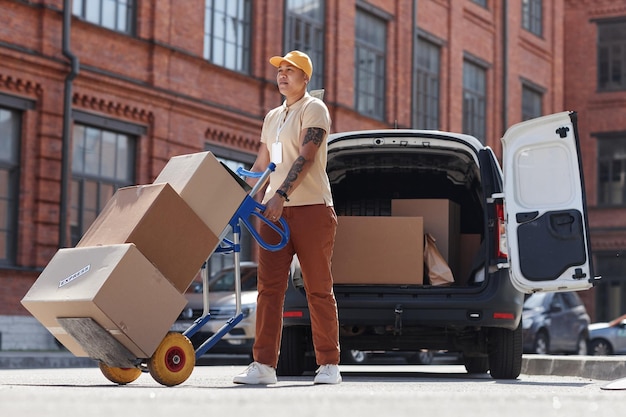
<point x="175" y="357"/>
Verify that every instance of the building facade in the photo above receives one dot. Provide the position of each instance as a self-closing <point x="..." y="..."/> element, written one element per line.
<point x="595" y="79"/>
<point x="99" y="94"/>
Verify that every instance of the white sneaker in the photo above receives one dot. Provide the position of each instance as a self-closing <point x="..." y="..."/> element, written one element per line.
<point x="256" y="373"/>
<point x="327" y="374"/>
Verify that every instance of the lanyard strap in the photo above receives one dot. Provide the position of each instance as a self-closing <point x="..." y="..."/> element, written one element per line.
<point x="282" y="124"/>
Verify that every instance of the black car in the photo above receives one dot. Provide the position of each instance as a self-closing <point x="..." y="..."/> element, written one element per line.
<point x="555" y="323"/>
<point x="515" y="231"/>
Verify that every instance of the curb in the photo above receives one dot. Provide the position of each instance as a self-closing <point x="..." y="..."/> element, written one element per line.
<point x="47" y="359"/>
<point x="593" y="367"/>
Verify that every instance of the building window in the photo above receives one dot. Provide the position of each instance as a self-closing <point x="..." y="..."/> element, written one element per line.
<point x="370" y="41"/>
<point x="474" y="100"/>
<point x="611" y="290"/>
<point x="102" y="162"/>
<point x="531" y="102"/>
<point x="612" y="170"/>
<point x="10" y="122"/>
<point x="482" y="3"/>
<point x="304" y="31"/>
<point x="227" y="33"/>
<point x="612" y="56"/>
<point x="233" y="159"/>
<point x="532" y="16"/>
<point x="426" y="86"/>
<point x="112" y="14"/>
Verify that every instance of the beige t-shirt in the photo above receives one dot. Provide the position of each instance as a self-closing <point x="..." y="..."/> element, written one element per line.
<point x="286" y="127"/>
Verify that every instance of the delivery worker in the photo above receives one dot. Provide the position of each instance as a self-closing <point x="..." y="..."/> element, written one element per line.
<point x="293" y="136"/>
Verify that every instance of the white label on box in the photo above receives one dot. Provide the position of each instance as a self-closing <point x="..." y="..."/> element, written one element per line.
<point x="75" y="275"/>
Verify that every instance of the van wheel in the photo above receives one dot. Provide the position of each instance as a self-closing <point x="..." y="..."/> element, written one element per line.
<point x="505" y="352"/>
<point x="292" y="359"/>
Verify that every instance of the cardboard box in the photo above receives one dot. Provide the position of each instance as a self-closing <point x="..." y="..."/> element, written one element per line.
<point x="162" y="226"/>
<point x="114" y="285"/>
<point x="210" y="188"/>
<point x="379" y="250"/>
<point x="441" y="219"/>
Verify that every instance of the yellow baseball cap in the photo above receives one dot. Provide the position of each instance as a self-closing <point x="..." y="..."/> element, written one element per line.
<point x="297" y="59"/>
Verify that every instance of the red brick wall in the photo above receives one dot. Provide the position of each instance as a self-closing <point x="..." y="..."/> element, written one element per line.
<point x="159" y="79"/>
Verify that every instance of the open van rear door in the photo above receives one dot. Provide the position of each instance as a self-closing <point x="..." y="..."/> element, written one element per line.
<point x="546" y="216"/>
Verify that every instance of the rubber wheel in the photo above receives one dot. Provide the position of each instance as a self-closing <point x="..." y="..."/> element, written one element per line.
<point x="120" y="376"/>
<point x="505" y="352"/>
<point x="173" y="361"/>
<point x="599" y="347"/>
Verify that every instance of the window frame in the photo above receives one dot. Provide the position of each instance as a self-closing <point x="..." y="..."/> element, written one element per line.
<point x="605" y="66"/>
<point x="105" y="186"/>
<point x="242" y="42"/>
<point x="80" y="9"/>
<point x="428" y="113"/>
<point x="532" y="16"/>
<point x="605" y="190"/>
<point x="370" y="85"/>
<point x="478" y="125"/>
<point x="17" y="106"/>
<point x="295" y="23"/>
<point x="538" y="92"/>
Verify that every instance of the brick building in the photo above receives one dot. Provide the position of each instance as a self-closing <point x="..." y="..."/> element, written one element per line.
<point x="102" y="94"/>
<point x="595" y="80"/>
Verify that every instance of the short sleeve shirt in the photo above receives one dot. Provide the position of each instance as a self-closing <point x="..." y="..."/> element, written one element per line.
<point x="286" y="125"/>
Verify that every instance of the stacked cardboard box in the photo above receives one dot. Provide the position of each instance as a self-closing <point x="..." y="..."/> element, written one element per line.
<point x="379" y="250"/>
<point x="442" y="219"/>
<point x="129" y="271"/>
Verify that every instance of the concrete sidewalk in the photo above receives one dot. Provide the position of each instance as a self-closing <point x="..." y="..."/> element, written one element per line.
<point x="606" y="368"/>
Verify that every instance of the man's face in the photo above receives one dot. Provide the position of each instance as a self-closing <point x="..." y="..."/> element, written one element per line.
<point x="290" y="79"/>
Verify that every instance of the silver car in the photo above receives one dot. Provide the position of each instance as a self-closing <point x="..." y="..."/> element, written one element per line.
<point x="222" y="307"/>
<point x="608" y="338"/>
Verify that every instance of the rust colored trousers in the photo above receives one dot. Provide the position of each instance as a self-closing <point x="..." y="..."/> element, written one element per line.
<point x="312" y="236"/>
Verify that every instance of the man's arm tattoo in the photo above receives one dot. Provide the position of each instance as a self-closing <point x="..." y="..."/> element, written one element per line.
<point x="292" y="176"/>
<point x="315" y="135"/>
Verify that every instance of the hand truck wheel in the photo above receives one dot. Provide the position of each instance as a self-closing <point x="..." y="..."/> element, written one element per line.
<point x="173" y="361"/>
<point x="120" y="376"/>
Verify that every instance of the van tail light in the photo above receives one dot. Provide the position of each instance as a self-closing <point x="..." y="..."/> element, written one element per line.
<point x="292" y="314"/>
<point x="501" y="244"/>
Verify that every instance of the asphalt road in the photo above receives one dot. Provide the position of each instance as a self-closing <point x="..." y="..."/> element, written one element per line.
<point x="367" y="390"/>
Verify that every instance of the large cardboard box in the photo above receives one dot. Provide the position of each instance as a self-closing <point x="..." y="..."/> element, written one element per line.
<point x="441" y="219"/>
<point x="210" y="188"/>
<point x="162" y="226"/>
<point x="114" y="285"/>
<point x="379" y="250"/>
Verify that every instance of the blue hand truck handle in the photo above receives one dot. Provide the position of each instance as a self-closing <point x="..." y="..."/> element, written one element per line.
<point x="252" y="208"/>
<point x="245" y="173"/>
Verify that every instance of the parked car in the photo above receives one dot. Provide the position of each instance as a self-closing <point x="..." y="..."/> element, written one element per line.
<point x="608" y="338"/>
<point x="222" y="307"/>
<point x="555" y="323"/>
<point x="522" y="228"/>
